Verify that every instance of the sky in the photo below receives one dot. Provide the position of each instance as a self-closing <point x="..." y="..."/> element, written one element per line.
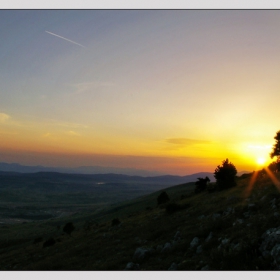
<point x="172" y="91"/>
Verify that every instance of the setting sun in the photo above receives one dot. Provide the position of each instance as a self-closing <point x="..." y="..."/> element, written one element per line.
<point x="261" y="160"/>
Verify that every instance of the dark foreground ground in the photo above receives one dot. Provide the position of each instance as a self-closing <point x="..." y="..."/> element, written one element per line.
<point x="226" y="230"/>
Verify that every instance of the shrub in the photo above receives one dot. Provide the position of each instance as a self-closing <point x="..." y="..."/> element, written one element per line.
<point x="115" y="222"/>
<point x="201" y="184"/>
<point x="163" y="198"/>
<point x="68" y="228"/>
<point x="225" y="175"/>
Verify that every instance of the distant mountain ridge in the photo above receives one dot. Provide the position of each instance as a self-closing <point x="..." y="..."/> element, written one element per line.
<point x="107" y="172"/>
<point x="16" y="167"/>
<point x="112" y="172"/>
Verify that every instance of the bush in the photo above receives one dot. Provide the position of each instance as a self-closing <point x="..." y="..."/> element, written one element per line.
<point x="163" y="198"/>
<point x="68" y="228"/>
<point x="201" y="184"/>
<point x="115" y="222"/>
<point x="225" y="175"/>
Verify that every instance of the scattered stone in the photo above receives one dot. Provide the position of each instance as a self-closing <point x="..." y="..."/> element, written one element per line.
<point x="132" y="266"/>
<point x="216" y="216"/>
<point x="199" y="249"/>
<point x="166" y="248"/>
<point x="270" y="246"/>
<point x="263" y="198"/>
<point x="225" y="241"/>
<point x="235" y="247"/>
<point x="206" y="267"/>
<point x="142" y="253"/>
<point x="201" y="217"/>
<point x="173" y="266"/>
<point x="209" y="237"/>
<point x="246" y="214"/>
<point x="240" y="221"/>
<point x="177" y="236"/>
<point x="251" y="206"/>
<point x="276" y="214"/>
<point x="194" y="242"/>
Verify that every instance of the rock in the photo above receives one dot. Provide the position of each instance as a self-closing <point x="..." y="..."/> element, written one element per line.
<point x="206" y="267"/>
<point x="199" y="249"/>
<point x="132" y="266"/>
<point x="246" y="214"/>
<point x="275" y="253"/>
<point x="225" y="241"/>
<point x="240" y="221"/>
<point x="194" y="242"/>
<point x="263" y="198"/>
<point x="216" y="216"/>
<point x="235" y="247"/>
<point x="276" y="214"/>
<point x="177" y="236"/>
<point x="173" y="266"/>
<point x="201" y="217"/>
<point x="209" y="237"/>
<point x="270" y="246"/>
<point x="251" y="206"/>
<point x="166" y="248"/>
<point x="141" y="254"/>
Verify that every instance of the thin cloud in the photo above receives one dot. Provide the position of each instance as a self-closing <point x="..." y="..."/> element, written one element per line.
<point x="186" y="141"/>
<point x="84" y="87"/>
<point x="73" y="42"/>
<point x="4" y="117"/>
<point x="73" y="133"/>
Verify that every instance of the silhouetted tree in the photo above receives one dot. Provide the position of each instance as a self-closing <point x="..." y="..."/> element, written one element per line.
<point x="201" y="184"/>
<point x="163" y="198"/>
<point x="68" y="228"/>
<point x="225" y="175"/>
<point x="274" y="166"/>
<point x="276" y="152"/>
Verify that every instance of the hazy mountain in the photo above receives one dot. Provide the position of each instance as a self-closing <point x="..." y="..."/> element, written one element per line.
<point x="15" y="167"/>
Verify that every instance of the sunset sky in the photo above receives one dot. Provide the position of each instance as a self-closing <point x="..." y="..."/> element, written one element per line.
<point x="173" y="91"/>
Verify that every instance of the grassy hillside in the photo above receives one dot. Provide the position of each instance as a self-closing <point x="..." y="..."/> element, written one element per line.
<point x="208" y="231"/>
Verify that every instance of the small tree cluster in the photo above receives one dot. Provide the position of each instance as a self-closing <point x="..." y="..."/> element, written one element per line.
<point x="275" y="166"/>
<point x="163" y="198"/>
<point x="201" y="184"/>
<point x="68" y="228"/>
<point x="225" y="175"/>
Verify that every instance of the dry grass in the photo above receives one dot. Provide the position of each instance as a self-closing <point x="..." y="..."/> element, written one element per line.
<point x="104" y="247"/>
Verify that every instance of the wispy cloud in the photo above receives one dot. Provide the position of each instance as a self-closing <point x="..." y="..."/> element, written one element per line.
<point x="86" y="86"/>
<point x="73" y="42"/>
<point x="53" y="122"/>
<point x="72" y="133"/>
<point x="4" y="117"/>
<point x="186" y="141"/>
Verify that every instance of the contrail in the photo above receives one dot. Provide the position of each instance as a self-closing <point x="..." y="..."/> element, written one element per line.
<point x="66" y="39"/>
